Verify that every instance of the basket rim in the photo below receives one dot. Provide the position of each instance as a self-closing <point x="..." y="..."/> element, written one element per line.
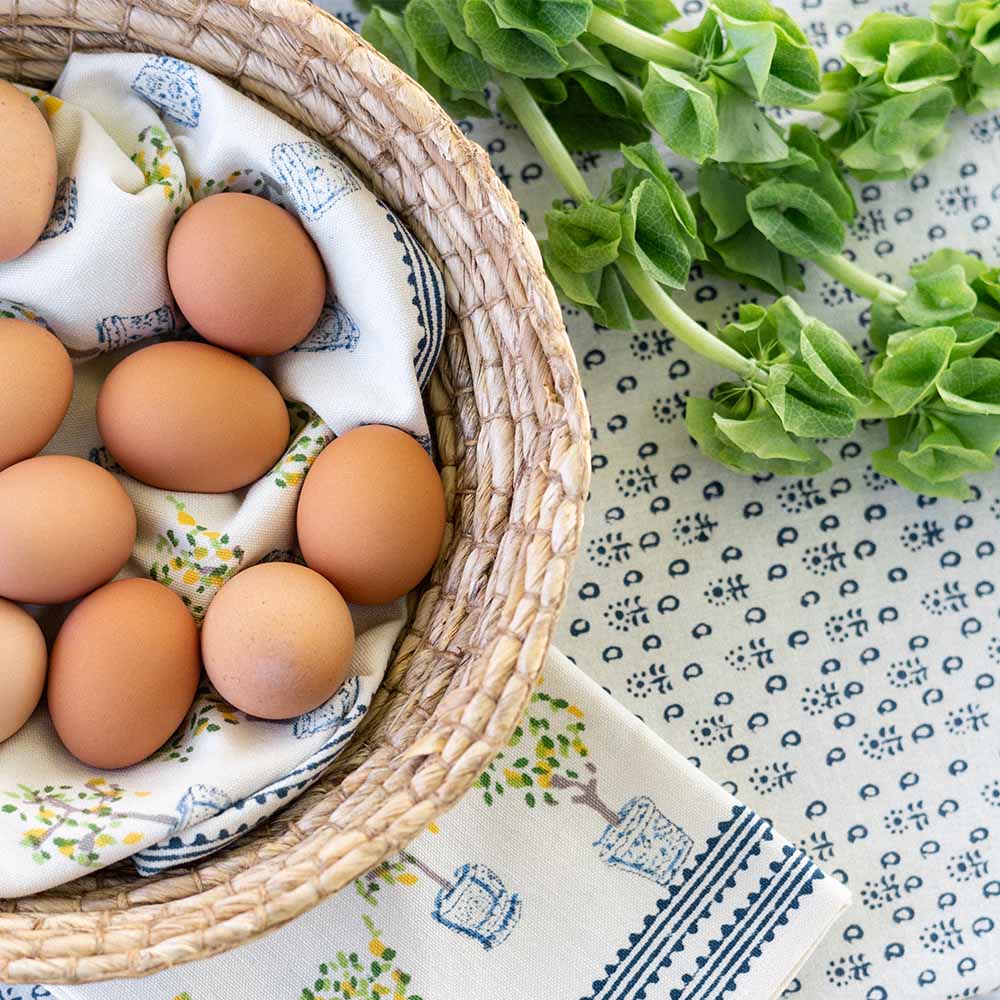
<point x="47" y="938"/>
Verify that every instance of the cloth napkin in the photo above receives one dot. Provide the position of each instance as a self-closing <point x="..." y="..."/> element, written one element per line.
<point x="136" y="135"/>
<point x="590" y="862"/>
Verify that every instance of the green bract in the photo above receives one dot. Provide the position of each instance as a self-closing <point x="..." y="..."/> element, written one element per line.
<point x="592" y="74"/>
<point x="894" y="97"/>
<point x="757" y="220"/>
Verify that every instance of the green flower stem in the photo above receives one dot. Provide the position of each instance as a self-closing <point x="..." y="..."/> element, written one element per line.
<point x="858" y="280"/>
<point x="656" y="300"/>
<point x="543" y="135"/>
<point x="622" y="35"/>
<point x="663" y="307"/>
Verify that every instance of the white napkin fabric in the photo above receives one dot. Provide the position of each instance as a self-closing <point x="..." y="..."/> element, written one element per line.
<point x="136" y="135"/>
<point x="620" y="872"/>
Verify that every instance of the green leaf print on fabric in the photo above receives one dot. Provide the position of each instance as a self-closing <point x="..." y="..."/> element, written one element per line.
<point x="308" y="438"/>
<point x="79" y="822"/>
<point x="543" y="751"/>
<point x="209" y="714"/>
<point x="372" y="976"/>
<point x="196" y="561"/>
<point x="157" y="157"/>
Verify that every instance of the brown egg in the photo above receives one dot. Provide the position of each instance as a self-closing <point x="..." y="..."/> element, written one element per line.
<point x="67" y="527"/>
<point x="371" y="514"/>
<point x="124" y="672"/>
<point x="245" y="274"/>
<point x="23" y="661"/>
<point x="190" y="417"/>
<point x="27" y="172"/>
<point x="36" y="383"/>
<point x="277" y="640"/>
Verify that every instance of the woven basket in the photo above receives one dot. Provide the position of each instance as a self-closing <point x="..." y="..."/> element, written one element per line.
<point x="512" y="437"/>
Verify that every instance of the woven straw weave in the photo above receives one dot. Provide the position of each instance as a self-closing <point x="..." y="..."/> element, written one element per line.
<point x="512" y="438"/>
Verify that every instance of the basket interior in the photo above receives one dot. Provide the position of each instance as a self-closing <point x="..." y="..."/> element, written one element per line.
<point x="511" y="434"/>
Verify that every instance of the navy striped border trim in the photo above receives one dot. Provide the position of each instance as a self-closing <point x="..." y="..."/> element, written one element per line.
<point x="428" y="297"/>
<point x="669" y="930"/>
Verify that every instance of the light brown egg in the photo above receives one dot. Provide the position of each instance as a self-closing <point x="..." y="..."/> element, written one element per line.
<point x="124" y="672"/>
<point x="371" y="514"/>
<point x="191" y="417"/>
<point x="246" y="274"/>
<point x="36" y="383"/>
<point x="27" y="172"/>
<point x="277" y="640"/>
<point x="23" y="662"/>
<point x="67" y="527"/>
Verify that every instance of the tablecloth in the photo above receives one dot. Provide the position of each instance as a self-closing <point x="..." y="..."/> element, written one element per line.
<point x="824" y="649"/>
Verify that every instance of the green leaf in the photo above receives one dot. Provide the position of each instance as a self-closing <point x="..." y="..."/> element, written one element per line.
<point x="971" y="385"/>
<point x="909" y="374"/>
<point x="645" y="158"/>
<point x="432" y="26"/>
<point x="885" y="321"/>
<point x="986" y="37"/>
<point x="833" y="361"/>
<point x="746" y="134"/>
<point x="724" y="199"/>
<point x="584" y="238"/>
<point x="939" y="449"/>
<point x="581" y="120"/>
<point x="682" y="111"/>
<point x="938" y="298"/>
<point x="705" y="39"/>
<point x="825" y="177"/>
<point x="699" y="418"/>
<point x="520" y="53"/>
<point x="651" y="233"/>
<point x="971" y="334"/>
<point x="761" y="434"/>
<point x="796" y="219"/>
<point x="942" y="260"/>
<point x="773" y="61"/>
<point x="750" y="259"/>
<point x="868" y="47"/>
<point x="886" y="461"/>
<point x="916" y="65"/>
<point x="908" y="122"/>
<point x="649" y="15"/>
<point x="987" y="284"/>
<point x="806" y="405"/>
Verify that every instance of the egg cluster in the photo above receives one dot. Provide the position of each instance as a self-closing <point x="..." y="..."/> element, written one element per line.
<point x="278" y="639"/>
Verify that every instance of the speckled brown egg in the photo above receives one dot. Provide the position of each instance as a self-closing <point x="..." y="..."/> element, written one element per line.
<point x="246" y="274"/>
<point x="371" y="514"/>
<point x="27" y="172"/>
<point x="277" y="640"/>
<point x="123" y="673"/>
<point x="67" y="527"/>
<point x="190" y="417"/>
<point x="36" y="384"/>
<point x="23" y="661"/>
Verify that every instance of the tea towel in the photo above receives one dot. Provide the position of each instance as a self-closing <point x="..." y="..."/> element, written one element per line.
<point x="138" y="137"/>
<point x="590" y="862"/>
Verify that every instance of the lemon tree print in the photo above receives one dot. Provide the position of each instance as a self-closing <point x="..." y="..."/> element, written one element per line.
<point x="309" y="437"/>
<point x="209" y="714"/>
<point x="156" y="156"/>
<point x="547" y="756"/>
<point x="473" y="902"/>
<point x="375" y="976"/>
<point x="78" y="822"/>
<point x="194" y="560"/>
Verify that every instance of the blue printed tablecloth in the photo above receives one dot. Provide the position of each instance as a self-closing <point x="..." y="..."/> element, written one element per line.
<point x="826" y="650"/>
